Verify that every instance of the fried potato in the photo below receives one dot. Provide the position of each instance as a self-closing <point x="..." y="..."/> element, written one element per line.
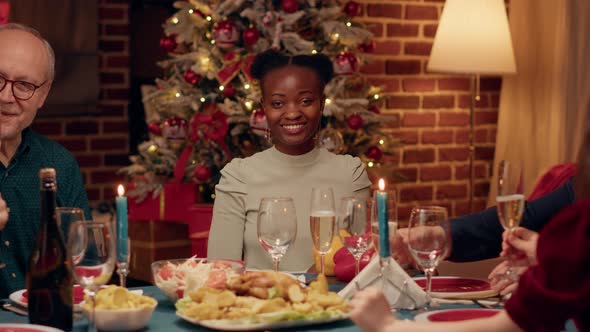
<point x="295" y="294"/>
<point x="114" y="297"/>
<point x="325" y="300"/>
<point x="274" y="305"/>
<point x="203" y="311"/>
<point x="320" y="284"/>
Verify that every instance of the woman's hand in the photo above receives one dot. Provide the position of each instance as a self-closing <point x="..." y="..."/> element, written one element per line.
<point x="370" y="311"/>
<point x="3" y="213"/>
<point x="520" y="246"/>
<point x="504" y="285"/>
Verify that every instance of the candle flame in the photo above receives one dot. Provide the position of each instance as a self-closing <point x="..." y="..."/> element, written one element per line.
<point x="381" y="184"/>
<point x="121" y="190"/>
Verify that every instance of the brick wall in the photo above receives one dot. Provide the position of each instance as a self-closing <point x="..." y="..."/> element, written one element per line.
<point x="433" y="108"/>
<point x="100" y="142"/>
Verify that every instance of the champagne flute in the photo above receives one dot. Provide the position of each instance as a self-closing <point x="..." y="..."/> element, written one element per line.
<point x="322" y="220"/>
<point x="276" y="226"/>
<point x="354" y="226"/>
<point x="510" y="201"/>
<point x="93" y="250"/>
<point x="428" y="240"/>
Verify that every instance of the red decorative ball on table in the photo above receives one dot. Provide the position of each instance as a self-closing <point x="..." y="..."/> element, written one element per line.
<point x="226" y="34"/>
<point x="155" y="128"/>
<point x="289" y="6"/>
<point x="191" y="77"/>
<point x="346" y="63"/>
<point x="202" y="173"/>
<point x="250" y="36"/>
<point x="229" y="91"/>
<point x="355" y="122"/>
<point x="168" y="43"/>
<point x="374" y="153"/>
<point x="352" y="8"/>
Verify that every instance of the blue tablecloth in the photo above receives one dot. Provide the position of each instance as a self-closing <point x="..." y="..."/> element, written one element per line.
<point x="165" y="319"/>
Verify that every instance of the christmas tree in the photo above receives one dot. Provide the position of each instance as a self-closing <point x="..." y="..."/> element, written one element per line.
<point x="206" y="109"/>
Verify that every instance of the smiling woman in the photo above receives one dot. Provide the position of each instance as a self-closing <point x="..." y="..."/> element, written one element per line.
<point x="293" y="101"/>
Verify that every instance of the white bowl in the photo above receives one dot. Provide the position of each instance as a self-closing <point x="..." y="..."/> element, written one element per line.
<point x="120" y="319"/>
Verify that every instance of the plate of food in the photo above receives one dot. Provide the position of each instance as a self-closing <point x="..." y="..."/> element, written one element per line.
<point x="14" y="327"/>
<point x="20" y="297"/>
<point x="259" y="300"/>
<point x="458" y="287"/>
<point x="455" y="315"/>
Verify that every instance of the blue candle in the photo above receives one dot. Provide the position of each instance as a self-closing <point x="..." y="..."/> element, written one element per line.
<point x="382" y="215"/>
<point x="122" y="237"/>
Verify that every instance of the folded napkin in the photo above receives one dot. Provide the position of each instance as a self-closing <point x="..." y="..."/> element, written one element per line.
<point x="400" y="289"/>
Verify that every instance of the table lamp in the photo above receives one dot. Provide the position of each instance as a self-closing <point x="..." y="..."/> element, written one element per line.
<point x="473" y="37"/>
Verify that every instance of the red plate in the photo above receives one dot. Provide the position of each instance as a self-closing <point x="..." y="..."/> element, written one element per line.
<point x="26" y="328"/>
<point x="457" y="287"/>
<point x="455" y="315"/>
<point x="78" y="295"/>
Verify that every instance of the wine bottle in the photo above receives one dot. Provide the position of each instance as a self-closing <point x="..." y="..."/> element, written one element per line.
<point x="49" y="278"/>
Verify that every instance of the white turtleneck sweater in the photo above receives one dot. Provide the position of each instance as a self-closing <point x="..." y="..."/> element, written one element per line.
<point x="271" y="173"/>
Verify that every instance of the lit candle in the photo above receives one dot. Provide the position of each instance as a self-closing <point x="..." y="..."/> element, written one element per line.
<point x="122" y="246"/>
<point x="381" y="198"/>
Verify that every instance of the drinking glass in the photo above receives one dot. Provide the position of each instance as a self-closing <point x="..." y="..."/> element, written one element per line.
<point x="276" y="226"/>
<point x="322" y="219"/>
<point x="354" y="226"/>
<point x="510" y="201"/>
<point x="428" y="240"/>
<point x="93" y="250"/>
<point x="66" y="216"/>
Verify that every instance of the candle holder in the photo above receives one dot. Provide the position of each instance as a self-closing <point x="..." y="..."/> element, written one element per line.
<point x="123" y="266"/>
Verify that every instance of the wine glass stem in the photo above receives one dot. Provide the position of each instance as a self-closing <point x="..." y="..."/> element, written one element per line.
<point x="357" y="265"/>
<point x="322" y="264"/>
<point x="275" y="263"/>
<point x="91" y="323"/>
<point x="428" y="273"/>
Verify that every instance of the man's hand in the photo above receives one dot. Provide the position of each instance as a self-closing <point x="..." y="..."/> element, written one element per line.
<point x="3" y="213"/>
<point x="370" y="310"/>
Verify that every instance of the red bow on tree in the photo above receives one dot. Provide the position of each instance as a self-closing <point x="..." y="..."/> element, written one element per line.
<point x="233" y="63"/>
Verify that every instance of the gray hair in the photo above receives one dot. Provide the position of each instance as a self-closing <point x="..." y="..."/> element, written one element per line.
<point x="48" y="48"/>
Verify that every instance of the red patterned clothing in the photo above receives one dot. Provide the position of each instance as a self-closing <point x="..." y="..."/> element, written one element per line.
<point x="558" y="288"/>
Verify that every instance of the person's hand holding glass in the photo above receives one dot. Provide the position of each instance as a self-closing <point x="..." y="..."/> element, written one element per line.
<point x="322" y="219"/>
<point x="277" y="226"/>
<point x="354" y="226"/>
<point x="91" y="245"/>
<point x="510" y="201"/>
<point x="428" y="240"/>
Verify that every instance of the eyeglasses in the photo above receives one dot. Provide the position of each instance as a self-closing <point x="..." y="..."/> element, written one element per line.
<point x="21" y="90"/>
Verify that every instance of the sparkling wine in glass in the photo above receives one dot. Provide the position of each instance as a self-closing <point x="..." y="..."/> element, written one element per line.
<point x="93" y="250"/>
<point x="354" y="226"/>
<point x="276" y="226"/>
<point x="428" y="240"/>
<point x="510" y="200"/>
<point x="322" y="220"/>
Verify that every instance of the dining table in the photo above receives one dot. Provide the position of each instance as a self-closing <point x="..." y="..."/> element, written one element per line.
<point x="164" y="317"/>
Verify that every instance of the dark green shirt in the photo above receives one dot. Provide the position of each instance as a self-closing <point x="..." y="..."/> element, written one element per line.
<point x="19" y="185"/>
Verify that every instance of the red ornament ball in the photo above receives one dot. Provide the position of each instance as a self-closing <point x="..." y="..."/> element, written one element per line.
<point x="289" y="6"/>
<point x="175" y="128"/>
<point x="352" y="8"/>
<point x="191" y="77"/>
<point x="202" y="173"/>
<point x="346" y="63"/>
<point x="229" y="91"/>
<point x="250" y="36"/>
<point x="226" y="34"/>
<point x="155" y="128"/>
<point x="374" y="153"/>
<point x="355" y="122"/>
<point x="168" y="43"/>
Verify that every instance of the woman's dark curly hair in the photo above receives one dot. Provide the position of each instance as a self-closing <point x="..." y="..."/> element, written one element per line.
<point x="270" y="60"/>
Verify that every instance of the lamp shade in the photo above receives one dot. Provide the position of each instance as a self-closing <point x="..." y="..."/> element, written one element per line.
<point x="473" y="37"/>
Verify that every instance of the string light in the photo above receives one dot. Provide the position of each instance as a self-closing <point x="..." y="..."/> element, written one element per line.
<point x="348" y="24"/>
<point x="177" y="95"/>
<point x="328" y="101"/>
<point x="246" y="86"/>
<point x="190" y="11"/>
<point x="376" y="96"/>
<point x="208" y="35"/>
<point x="335" y="36"/>
<point x="203" y="99"/>
<point x="248" y="104"/>
<point x="370" y="164"/>
<point x="221" y="87"/>
<point x="314" y="52"/>
<point x="212" y="41"/>
<point x="175" y="20"/>
<point x="382" y="141"/>
<point x="208" y="18"/>
<point x="153" y="148"/>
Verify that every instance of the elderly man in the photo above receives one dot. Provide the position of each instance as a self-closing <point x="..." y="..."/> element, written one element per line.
<point x="26" y="73"/>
